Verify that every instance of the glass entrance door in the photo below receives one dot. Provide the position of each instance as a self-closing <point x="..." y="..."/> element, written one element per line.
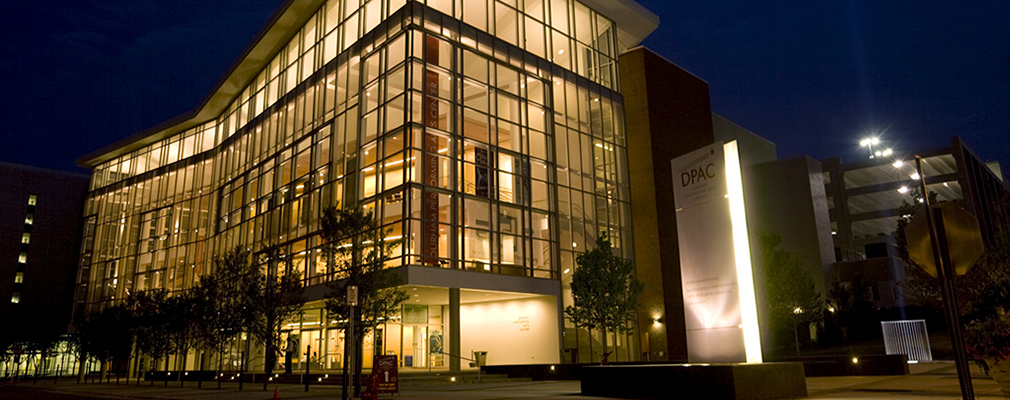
<point x="335" y="349"/>
<point x="305" y="354"/>
<point x="420" y="347"/>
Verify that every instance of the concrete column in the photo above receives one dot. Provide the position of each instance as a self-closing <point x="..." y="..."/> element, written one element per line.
<point x="454" y="329"/>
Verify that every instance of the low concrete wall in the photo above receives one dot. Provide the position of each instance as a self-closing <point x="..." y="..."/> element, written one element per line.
<point x="891" y="364"/>
<point x="698" y="381"/>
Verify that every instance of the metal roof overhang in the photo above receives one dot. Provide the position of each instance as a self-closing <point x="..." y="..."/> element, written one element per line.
<point x="634" y="23"/>
<point x="282" y="25"/>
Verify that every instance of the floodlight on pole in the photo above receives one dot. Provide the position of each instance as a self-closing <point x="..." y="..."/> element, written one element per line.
<point x="869" y="143"/>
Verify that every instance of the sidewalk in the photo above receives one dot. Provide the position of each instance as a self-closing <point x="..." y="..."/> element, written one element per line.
<point x="930" y="380"/>
<point x="936" y="380"/>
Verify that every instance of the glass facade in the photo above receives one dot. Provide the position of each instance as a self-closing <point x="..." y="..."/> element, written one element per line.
<point x="487" y="134"/>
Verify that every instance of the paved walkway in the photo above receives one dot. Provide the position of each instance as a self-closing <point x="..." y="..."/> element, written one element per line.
<point x="928" y="380"/>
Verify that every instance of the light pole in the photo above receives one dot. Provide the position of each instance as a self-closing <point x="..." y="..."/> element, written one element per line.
<point x="872" y="142"/>
<point x="945" y="272"/>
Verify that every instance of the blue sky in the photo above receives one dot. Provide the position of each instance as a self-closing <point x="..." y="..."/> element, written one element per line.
<point x="813" y="77"/>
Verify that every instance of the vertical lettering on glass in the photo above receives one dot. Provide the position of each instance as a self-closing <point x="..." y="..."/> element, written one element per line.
<point x="430" y="198"/>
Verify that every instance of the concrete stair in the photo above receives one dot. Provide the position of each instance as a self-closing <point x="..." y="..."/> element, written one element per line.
<point x="444" y="378"/>
<point x="407" y="379"/>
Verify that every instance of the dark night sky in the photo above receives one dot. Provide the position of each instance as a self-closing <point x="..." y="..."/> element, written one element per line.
<point x="813" y="77"/>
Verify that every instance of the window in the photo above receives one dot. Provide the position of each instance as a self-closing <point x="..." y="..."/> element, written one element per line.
<point x="31" y="199"/>
<point x="19" y="277"/>
<point x="23" y="258"/>
<point x="29" y="219"/>
<point x="26" y="238"/>
<point x="16" y="298"/>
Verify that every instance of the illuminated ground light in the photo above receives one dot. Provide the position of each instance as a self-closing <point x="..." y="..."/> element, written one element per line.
<point x="453" y="379"/>
<point x="855" y="360"/>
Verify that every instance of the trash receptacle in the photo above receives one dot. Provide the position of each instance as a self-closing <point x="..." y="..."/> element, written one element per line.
<point x="480" y="358"/>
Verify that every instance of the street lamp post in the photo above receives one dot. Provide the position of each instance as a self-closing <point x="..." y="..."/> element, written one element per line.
<point x="872" y="142"/>
<point x="946" y="275"/>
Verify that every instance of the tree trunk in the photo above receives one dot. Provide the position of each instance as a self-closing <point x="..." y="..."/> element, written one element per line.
<point x="81" y="361"/>
<point x="244" y="361"/>
<point x="199" y="372"/>
<point x="617" y="354"/>
<point x="359" y="344"/>
<point x="38" y="364"/>
<point x="796" y="338"/>
<point x="129" y="363"/>
<point x="603" y="343"/>
<point x="270" y="358"/>
<point x="182" y="369"/>
<point x="220" y="366"/>
<point x="270" y="349"/>
<point x="345" y="380"/>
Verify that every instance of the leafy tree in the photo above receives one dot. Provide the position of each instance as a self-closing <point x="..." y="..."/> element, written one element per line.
<point x="604" y="292"/>
<point x="106" y="335"/>
<point x="852" y="305"/>
<point x="37" y="331"/>
<point x="153" y="326"/>
<point x="792" y="299"/>
<point x="356" y="247"/>
<point x="279" y="296"/>
<point x="985" y="292"/>
<point x="181" y="313"/>
<point x="227" y="295"/>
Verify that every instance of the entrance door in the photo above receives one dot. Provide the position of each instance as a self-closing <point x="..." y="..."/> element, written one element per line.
<point x="417" y="355"/>
<point x="310" y="338"/>
<point x="335" y="351"/>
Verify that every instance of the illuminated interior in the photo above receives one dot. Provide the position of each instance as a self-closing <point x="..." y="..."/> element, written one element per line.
<point x="522" y="161"/>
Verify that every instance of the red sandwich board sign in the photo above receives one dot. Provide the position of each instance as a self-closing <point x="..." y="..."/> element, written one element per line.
<point x="384" y="369"/>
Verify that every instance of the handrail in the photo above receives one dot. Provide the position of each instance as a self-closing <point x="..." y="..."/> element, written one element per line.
<point x="457" y="356"/>
<point x="472" y="361"/>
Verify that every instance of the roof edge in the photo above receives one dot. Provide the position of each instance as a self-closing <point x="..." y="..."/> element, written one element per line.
<point x="274" y="35"/>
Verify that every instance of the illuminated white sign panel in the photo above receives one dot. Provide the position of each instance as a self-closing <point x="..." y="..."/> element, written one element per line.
<point x="715" y="263"/>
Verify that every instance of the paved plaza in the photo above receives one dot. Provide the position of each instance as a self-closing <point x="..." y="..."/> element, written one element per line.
<point x="928" y="380"/>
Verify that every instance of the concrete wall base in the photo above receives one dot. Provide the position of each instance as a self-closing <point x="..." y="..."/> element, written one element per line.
<point x="696" y="381"/>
